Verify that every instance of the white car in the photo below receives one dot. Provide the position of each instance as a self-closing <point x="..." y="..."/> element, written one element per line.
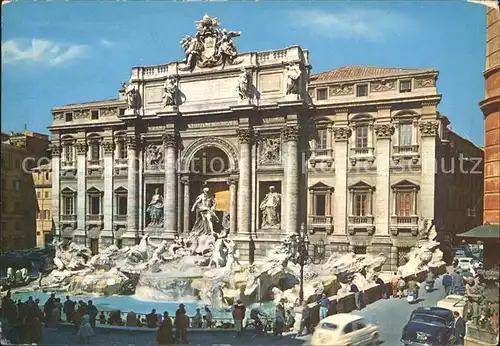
<point x="344" y="330"/>
<point x="469" y="264"/>
<point x="455" y="302"/>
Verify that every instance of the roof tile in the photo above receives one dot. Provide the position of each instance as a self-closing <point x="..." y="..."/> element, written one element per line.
<point x="358" y="72"/>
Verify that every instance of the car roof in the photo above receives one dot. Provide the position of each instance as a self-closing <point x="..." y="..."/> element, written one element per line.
<point x="466" y="259"/>
<point x="340" y="319"/>
<point x="433" y="310"/>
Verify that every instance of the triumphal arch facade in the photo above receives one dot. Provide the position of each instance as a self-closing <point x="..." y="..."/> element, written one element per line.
<point x="215" y="135"/>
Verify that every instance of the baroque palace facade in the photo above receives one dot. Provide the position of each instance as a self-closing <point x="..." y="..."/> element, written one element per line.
<point x="350" y="153"/>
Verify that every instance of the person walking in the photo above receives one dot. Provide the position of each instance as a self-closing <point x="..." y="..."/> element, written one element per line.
<point x="457" y="282"/>
<point x="458" y="328"/>
<point x="447" y="283"/>
<point x="305" y="320"/>
<point x="323" y="303"/>
<point x="165" y="335"/>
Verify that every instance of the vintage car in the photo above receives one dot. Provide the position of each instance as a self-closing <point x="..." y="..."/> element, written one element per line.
<point x="344" y="329"/>
<point x="429" y="326"/>
<point x="455" y="302"/>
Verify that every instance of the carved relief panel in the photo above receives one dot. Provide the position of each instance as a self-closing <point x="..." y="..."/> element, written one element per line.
<point x="270" y="151"/>
<point x="153" y="157"/>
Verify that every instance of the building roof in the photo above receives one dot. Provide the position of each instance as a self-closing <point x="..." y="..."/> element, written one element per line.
<point x="358" y="72"/>
<point x="90" y="103"/>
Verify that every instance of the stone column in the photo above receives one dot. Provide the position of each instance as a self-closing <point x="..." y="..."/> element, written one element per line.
<point x="383" y="132"/>
<point x="428" y="131"/>
<point x="170" y="210"/>
<point x="232" y="205"/>
<point x="291" y="138"/>
<point x="81" y="202"/>
<point x="132" y="196"/>
<point x="108" y="198"/>
<point x="341" y="135"/>
<point x="186" y="205"/>
<point x="245" y="189"/>
<point x="179" y="204"/>
<point x="56" y="188"/>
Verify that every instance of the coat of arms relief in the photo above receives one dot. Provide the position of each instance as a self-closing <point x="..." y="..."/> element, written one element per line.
<point x="210" y="46"/>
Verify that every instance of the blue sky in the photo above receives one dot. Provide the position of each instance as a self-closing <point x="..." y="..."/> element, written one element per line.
<point x="55" y="53"/>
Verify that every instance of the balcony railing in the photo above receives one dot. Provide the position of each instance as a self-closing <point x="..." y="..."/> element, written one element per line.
<point x="121" y="162"/>
<point x="361" y="220"/>
<point x="405" y="149"/>
<point x="67" y="218"/>
<point x="120" y="218"/>
<point x="94" y="162"/>
<point x="320" y="219"/>
<point x="405" y="220"/>
<point x="322" y="152"/>
<point x="361" y="152"/>
<point x="66" y="163"/>
<point x="95" y="218"/>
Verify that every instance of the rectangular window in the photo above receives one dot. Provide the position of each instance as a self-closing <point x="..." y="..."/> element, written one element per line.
<point x="360" y="204"/>
<point x="95" y="114"/>
<point x="362" y="136"/>
<point x="46" y="175"/>
<point x="362" y="90"/>
<point x="405" y="134"/>
<point x="46" y="194"/>
<point x="121" y="205"/>
<point x="94" y="205"/>
<point x="405" y="86"/>
<point x="95" y="151"/>
<point x="122" y="111"/>
<point x="404" y="203"/>
<point x="321" y="142"/>
<point x="68" y="152"/>
<point x="68" y="205"/>
<point x="322" y="94"/>
<point x="17" y="164"/>
<point x="45" y="214"/>
<point x="68" y="116"/>
<point x="38" y="195"/>
<point x="122" y="150"/>
<point x="321" y="205"/>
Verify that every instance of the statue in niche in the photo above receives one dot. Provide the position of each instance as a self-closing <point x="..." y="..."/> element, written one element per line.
<point x="293" y="76"/>
<point x="244" y="84"/>
<point x="204" y="205"/>
<point x="269" y="207"/>
<point x="154" y="156"/>
<point x="131" y="95"/>
<point x="155" y="209"/>
<point x="170" y="91"/>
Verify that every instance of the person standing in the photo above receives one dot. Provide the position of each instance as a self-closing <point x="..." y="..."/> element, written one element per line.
<point x="209" y="317"/>
<point x="323" y="303"/>
<point x="152" y="319"/>
<point x="238" y="316"/>
<point x="181" y="324"/>
<point x="48" y="308"/>
<point x="280" y="321"/>
<point x="305" y="321"/>
<point x="164" y="335"/>
<point x="197" y="320"/>
<point x="85" y="331"/>
<point x="447" y="283"/>
<point x="69" y="309"/>
<point x="357" y="294"/>
<point x="458" y="328"/>
<point x="92" y="312"/>
<point x="394" y="282"/>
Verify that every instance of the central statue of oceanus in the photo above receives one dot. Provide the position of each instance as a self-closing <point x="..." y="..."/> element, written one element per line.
<point x="204" y="206"/>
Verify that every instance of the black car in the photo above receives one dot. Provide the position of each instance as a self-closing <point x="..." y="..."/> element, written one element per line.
<point x="429" y="326"/>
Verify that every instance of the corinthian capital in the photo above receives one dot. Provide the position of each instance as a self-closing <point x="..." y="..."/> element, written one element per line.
<point x="342" y="133"/>
<point x="55" y="149"/>
<point x="81" y="148"/>
<point x="384" y="130"/>
<point x="429" y="128"/>
<point x="132" y="142"/>
<point x="108" y="147"/>
<point x="170" y="140"/>
<point x="290" y="133"/>
<point x="245" y="136"/>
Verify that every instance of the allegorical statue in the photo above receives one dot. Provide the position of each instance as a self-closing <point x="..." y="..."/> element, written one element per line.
<point x="204" y="205"/>
<point x="170" y="92"/>
<point x="155" y="209"/>
<point x="293" y="77"/>
<point x="269" y="207"/>
<point x="244" y="84"/>
<point x="131" y="95"/>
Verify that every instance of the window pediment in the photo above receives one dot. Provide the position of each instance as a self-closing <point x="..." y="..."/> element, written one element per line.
<point x="405" y="184"/>
<point x="363" y="117"/>
<point x="121" y="190"/>
<point x="94" y="191"/>
<point x="68" y="191"/>
<point x="405" y="114"/>
<point x="320" y="186"/>
<point x="361" y="185"/>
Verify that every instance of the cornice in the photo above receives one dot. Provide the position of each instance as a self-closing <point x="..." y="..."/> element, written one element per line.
<point x="377" y="103"/>
<point x="96" y="105"/>
<point x="356" y="80"/>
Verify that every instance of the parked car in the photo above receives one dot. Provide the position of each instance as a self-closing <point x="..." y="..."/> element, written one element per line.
<point x="469" y="264"/>
<point x="429" y="326"/>
<point x="345" y="329"/>
<point x="455" y="302"/>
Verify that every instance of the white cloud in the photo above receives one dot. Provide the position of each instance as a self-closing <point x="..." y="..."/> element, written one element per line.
<point x="107" y="43"/>
<point x="40" y="51"/>
<point x="370" y="24"/>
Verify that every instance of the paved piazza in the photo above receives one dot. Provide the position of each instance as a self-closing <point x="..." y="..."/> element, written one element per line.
<point x="389" y="315"/>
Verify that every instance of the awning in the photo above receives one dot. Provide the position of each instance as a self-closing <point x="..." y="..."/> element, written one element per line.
<point x="484" y="231"/>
